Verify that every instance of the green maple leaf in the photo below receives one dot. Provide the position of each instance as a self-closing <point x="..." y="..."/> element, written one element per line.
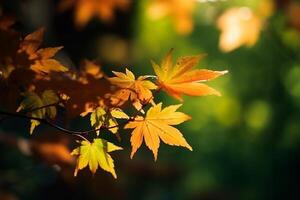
<point x="33" y="104"/>
<point x="49" y="97"/>
<point x="101" y="117"/>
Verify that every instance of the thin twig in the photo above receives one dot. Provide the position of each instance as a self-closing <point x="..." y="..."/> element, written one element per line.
<point x="32" y="110"/>
<point x="72" y="132"/>
<point x="45" y="121"/>
<point x="45" y="106"/>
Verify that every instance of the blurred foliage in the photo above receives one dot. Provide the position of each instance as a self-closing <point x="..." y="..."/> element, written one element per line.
<point x="246" y="144"/>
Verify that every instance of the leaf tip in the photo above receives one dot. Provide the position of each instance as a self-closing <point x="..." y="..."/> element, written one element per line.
<point x="155" y="156"/>
<point x="114" y="174"/>
<point x="131" y="155"/>
<point x="190" y="148"/>
<point x="224" y="72"/>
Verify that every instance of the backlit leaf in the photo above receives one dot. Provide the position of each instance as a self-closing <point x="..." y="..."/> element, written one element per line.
<point x="101" y="117"/>
<point x="180" y="79"/>
<point x="156" y="126"/>
<point x="137" y="90"/>
<point x="95" y="155"/>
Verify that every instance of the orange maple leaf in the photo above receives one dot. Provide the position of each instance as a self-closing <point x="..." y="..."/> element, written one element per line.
<point x="239" y="26"/>
<point x="181" y="79"/>
<point x="41" y="59"/>
<point x="155" y="126"/>
<point x="92" y="68"/>
<point x="137" y="90"/>
<point x="181" y="12"/>
<point x="242" y="25"/>
<point x="85" y="10"/>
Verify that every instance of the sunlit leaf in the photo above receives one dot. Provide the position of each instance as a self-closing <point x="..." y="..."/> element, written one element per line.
<point x="95" y="155"/>
<point x="180" y="79"/>
<point x="101" y="117"/>
<point x="157" y="125"/>
<point x="137" y="90"/>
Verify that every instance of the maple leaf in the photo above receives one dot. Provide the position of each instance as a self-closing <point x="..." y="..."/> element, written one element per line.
<point x="181" y="79"/>
<point x="101" y="117"/>
<point x="180" y="11"/>
<point x="242" y="25"/>
<point x="138" y="90"/>
<point x="34" y="104"/>
<point x="49" y="97"/>
<point x="91" y="68"/>
<point x="41" y="59"/>
<point x="91" y="95"/>
<point x="95" y="154"/>
<point x="85" y="10"/>
<point x="157" y="125"/>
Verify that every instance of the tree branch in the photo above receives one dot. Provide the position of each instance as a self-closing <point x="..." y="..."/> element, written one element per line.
<point x="45" y="106"/>
<point x="32" y="110"/>
<point x="72" y="132"/>
<point x="47" y="122"/>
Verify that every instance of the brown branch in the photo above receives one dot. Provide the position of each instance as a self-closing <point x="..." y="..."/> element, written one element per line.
<point x="32" y="110"/>
<point x="72" y="132"/>
<point x="45" y="106"/>
<point x="45" y="121"/>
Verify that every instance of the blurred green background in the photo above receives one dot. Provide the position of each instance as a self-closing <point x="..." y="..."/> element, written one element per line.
<point x="246" y="144"/>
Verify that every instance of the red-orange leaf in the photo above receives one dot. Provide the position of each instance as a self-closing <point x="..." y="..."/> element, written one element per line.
<point x="181" y="79"/>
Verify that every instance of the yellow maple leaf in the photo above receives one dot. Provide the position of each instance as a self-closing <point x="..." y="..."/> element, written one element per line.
<point x="95" y="155"/>
<point x="92" y="68"/>
<point x="180" y="79"/>
<point x="41" y="59"/>
<point x="137" y="90"/>
<point x="157" y="125"/>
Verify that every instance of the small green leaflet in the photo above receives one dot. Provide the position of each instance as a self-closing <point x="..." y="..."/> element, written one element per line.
<point x="32" y="102"/>
<point x="100" y="117"/>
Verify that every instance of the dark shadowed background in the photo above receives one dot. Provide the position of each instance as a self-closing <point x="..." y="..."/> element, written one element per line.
<point x="246" y="144"/>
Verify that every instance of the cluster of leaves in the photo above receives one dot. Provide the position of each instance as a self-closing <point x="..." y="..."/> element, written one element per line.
<point x="44" y="84"/>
